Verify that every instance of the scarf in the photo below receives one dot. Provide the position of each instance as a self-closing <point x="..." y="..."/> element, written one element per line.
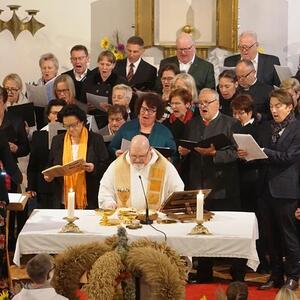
<point x="188" y="115"/>
<point x="77" y="181"/>
<point x="277" y="127"/>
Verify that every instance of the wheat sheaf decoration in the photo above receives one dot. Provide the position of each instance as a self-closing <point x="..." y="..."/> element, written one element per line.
<point x="113" y="267"/>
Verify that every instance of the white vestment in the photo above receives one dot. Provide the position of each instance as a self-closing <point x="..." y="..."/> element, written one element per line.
<point x="107" y="191"/>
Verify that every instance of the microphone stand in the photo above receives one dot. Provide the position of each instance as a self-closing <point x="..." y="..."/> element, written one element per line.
<point x="147" y="220"/>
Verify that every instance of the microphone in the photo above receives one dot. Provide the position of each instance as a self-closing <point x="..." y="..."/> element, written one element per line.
<point x="147" y="221"/>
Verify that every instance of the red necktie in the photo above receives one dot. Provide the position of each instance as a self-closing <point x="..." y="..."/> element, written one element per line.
<point x="130" y="73"/>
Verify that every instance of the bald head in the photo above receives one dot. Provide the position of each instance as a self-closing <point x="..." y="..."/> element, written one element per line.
<point x="139" y="152"/>
<point x="185" y="48"/>
<point x="139" y="142"/>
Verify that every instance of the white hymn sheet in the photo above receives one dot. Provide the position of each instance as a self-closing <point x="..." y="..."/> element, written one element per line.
<point x="96" y="100"/>
<point x="37" y="95"/>
<point x="248" y="143"/>
<point x="125" y="145"/>
<point x="283" y="72"/>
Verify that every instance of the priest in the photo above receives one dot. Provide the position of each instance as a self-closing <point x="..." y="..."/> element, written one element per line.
<point x="142" y="167"/>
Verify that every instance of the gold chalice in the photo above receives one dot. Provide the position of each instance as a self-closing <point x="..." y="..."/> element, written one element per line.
<point x="105" y="213"/>
<point x="127" y="215"/>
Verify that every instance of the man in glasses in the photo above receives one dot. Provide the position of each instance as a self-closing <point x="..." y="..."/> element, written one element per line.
<point x="211" y="168"/>
<point x="79" y="59"/>
<point x="142" y="167"/>
<point x="249" y="84"/>
<point x="188" y="62"/>
<point x="263" y="63"/>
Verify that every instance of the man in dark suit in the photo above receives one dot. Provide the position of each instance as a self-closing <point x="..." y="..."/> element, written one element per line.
<point x="140" y="74"/>
<point x="249" y="84"/>
<point x="188" y="62"/>
<point x="79" y="59"/>
<point x="263" y="63"/>
<point x="213" y="169"/>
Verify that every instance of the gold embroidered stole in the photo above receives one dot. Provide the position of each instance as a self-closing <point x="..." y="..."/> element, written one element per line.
<point x="155" y="181"/>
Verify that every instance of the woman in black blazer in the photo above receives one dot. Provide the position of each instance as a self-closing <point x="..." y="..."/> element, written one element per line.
<point x="95" y="155"/>
<point x="280" y="190"/>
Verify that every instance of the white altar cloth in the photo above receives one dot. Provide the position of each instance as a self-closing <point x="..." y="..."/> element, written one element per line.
<point x="233" y="235"/>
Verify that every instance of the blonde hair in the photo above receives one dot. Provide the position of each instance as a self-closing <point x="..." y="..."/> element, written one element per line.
<point x="291" y="83"/>
<point x="189" y="82"/>
<point x="66" y="79"/>
<point x="286" y="294"/>
<point x="14" y="77"/>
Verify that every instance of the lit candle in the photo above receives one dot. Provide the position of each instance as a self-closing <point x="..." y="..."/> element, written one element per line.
<point x="200" y="200"/>
<point x="71" y="203"/>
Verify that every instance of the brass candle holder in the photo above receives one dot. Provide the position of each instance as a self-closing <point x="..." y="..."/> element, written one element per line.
<point x="70" y="227"/>
<point x="199" y="229"/>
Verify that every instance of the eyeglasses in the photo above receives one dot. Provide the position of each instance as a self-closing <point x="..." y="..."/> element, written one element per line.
<point x="74" y="125"/>
<point x="244" y="76"/>
<point x="12" y="90"/>
<point x="245" y="47"/>
<point x="150" y="111"/>
<point x="139" y="157"/>
<point x="206" y="103"/>
<point x="64" y="91"/>
<point x="185" y="49"/>
<point x="80" y="58"/>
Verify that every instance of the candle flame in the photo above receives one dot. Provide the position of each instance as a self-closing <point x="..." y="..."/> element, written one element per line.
<point x="71" y="190"/>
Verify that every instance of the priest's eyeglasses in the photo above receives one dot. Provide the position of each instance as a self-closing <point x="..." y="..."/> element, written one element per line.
<point x="139" y="157"/>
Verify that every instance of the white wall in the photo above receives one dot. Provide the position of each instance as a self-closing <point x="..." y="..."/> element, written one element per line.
<point x="66" y="25"/>
<point x="69" y="22"/>
<point x="109" y="17"/>
<point x="293" y="51"/>
<point x="268" y="19"/>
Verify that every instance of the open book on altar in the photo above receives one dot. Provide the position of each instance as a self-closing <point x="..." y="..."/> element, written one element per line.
<point x="65" y="170"/>
<point x="181" y="201"/>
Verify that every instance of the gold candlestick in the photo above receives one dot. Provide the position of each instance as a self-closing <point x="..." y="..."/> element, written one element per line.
<point x="70" y="227"/>
<point x="199" y="229"/>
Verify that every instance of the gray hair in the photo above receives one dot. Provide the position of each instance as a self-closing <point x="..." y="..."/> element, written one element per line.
<point x="249" y="33"/>
<point x="49" y="56"/>
<point x="125" y="88"/>
<point x="212" y="91"/>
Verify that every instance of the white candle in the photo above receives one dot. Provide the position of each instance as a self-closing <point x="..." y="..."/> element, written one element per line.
<point x="71" y="203"/>
<point x="200" y="200"/>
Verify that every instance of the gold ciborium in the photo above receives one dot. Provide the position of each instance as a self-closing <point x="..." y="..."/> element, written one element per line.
<point x="105" y="213"/>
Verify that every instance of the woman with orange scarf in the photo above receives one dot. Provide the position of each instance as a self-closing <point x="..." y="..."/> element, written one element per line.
<point x="78" y="143"/>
